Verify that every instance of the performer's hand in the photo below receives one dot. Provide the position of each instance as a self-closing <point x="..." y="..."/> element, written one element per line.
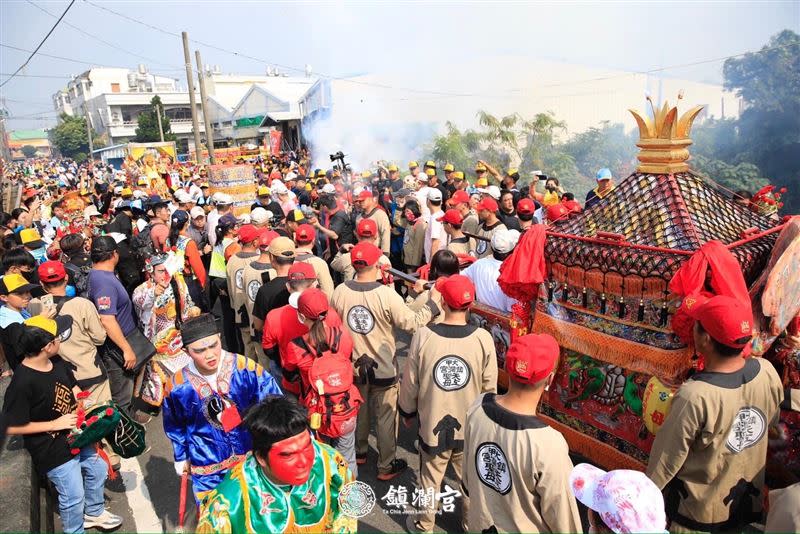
<point x="130" y="358"/>
<point x="419" y="286"/>
<point x="181" y="466"/>
<point x="65" y="422"/>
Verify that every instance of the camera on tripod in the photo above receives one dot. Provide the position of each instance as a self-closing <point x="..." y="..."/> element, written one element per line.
<point x="341" y="166"/>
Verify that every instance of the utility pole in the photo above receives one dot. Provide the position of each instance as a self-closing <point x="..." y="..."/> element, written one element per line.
<point x="160" y="128"/>
<point x="88" y="132"/>
<point x="203" y="106"/>
<point x="198" y="148"/>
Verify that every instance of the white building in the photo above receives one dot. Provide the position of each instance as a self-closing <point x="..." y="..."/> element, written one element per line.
<point x="243" y="109"/>
<point x="114" y="98"/>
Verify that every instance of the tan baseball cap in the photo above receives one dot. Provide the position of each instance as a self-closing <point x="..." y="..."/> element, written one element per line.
<point x="282" y="246"/>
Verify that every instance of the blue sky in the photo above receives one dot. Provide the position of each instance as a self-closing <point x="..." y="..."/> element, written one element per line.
<point x="341" y="38"/>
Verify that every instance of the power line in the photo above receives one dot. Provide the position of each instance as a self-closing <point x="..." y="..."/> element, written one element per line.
<point x="286" y="67"/>
<point x="524" y="90"/>
<point x="92" y="63"/>
<point x="51" y="76"/>
<point x="96" y="38"/>
<point x="39" y="46"/>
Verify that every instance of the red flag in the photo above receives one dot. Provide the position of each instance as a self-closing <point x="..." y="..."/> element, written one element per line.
<point x="523" y="271"/>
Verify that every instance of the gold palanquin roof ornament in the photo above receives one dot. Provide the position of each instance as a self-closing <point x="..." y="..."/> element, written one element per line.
<point x="664" y="139"/>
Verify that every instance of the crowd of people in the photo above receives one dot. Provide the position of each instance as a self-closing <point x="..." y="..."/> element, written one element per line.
<point x="265" y="338"/>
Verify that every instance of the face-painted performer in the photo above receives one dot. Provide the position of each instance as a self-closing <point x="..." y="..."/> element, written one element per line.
<point x="205" y="403"/>
<point x="289" y="483"/>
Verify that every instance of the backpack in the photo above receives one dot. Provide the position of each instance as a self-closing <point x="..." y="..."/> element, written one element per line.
<point x="142" y="246"/>
<point x="332" y="399"/>
<point x="79" y="278"/>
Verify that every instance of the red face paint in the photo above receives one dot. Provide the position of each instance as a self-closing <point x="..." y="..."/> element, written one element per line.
<point x="291" y="459"/>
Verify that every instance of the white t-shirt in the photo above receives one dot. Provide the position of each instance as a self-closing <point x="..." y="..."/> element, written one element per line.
<point x="484" y="274"/>
<point x="211" y="379"/>
<point x="211" y="226"/>
<point x="435" y="230"/>
<point x="422" y="199"/>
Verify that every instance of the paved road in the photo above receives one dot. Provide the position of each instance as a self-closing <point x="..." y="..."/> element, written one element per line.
<point x="146" y="493"/>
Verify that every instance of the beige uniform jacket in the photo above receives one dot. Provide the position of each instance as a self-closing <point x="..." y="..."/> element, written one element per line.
<point x="710" y="453"/>
<point x="482" y="247"/>
<point x="341" y="264"/>
<point x="384" y="228"/>
<point x="320" y="268"/>
<point x="79" y="345"/>
<point x="371" y="311"/>
<point x="252" y="280"/>
<point x="516" y="472"/>
<point x="235" y="275"/>
<point x="470" y="223"/>
<point x="447" y="367"/>
<point x="462" y="245"/>
<point x="414" y="243"/>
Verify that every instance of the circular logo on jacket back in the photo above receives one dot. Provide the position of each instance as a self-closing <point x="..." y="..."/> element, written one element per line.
<point x="356" y="499"/>
<point x="451" y="373"/>
<point x="360" y="320"/>
<point x="747" y="429"/>
<point x="239" y="278"/>
<point x="481" y="246"/>
<point x="492" y="467"/>
<point x="252" y="290"/>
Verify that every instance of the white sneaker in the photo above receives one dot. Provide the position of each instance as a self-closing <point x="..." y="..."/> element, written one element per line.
<point x="105" y="521"/>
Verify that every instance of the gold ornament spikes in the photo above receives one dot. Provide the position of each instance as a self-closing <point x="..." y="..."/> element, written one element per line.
<point x="664" y="139"/>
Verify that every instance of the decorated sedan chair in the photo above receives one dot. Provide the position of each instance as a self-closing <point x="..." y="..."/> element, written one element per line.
<point x="606" y="293"/>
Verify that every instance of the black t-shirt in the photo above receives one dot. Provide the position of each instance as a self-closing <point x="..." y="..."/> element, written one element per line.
<point x="509" y="219"/>
<point x="35" y="396"/>
<point x="340" y="223"/>
<point x="271" y="295"/>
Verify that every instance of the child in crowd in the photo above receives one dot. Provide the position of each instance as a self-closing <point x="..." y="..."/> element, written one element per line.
<point x="40" y="404"/>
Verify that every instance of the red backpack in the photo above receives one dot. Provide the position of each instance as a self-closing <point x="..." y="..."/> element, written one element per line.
<point x="332" y="399"/>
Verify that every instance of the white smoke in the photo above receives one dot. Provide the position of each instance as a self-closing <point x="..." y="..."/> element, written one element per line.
<point x="364" y="126"/>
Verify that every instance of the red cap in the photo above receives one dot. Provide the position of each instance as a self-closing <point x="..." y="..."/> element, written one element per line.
<point x="52" y="271"/>
<point x="556" y="212"/>
<point x="366" y="228"/>
<point x="453" y="217"/>
<point x="301" y="271"/>
<point x="726" y="319"/>
<point x="313" y="304"/>
<point x="366" y="193"/>
<point x="364" y="254"/>
<point x="572" y="205"/>
<point x="460" y="197"/>
<point x="247" y="233"/>
<point x="305" y="233"/>
<point x="487" y="203"/>
<point x="266" y="237"/>
<point x="457" y="291"/>
<point x="526" y="206"/>
<point x="531" y="358"/>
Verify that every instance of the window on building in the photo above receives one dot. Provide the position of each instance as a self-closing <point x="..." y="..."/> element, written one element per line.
<point x="115" y="88"/>
<point x="184" y="113"/>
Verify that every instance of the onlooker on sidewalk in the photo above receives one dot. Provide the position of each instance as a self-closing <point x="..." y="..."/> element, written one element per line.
<point x="40" y="405"/>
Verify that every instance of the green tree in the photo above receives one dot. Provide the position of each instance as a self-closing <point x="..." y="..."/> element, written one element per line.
<point x="607" y="146"/>
<point x="769" y="127"/>
<point x="28" y="151"/>
<point x="147" y="128"/>
<point x="69" y="137"/>
<point x="734" y="177"/>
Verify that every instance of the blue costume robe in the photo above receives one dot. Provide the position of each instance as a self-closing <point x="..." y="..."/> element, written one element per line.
<point x="191" y="410"/>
